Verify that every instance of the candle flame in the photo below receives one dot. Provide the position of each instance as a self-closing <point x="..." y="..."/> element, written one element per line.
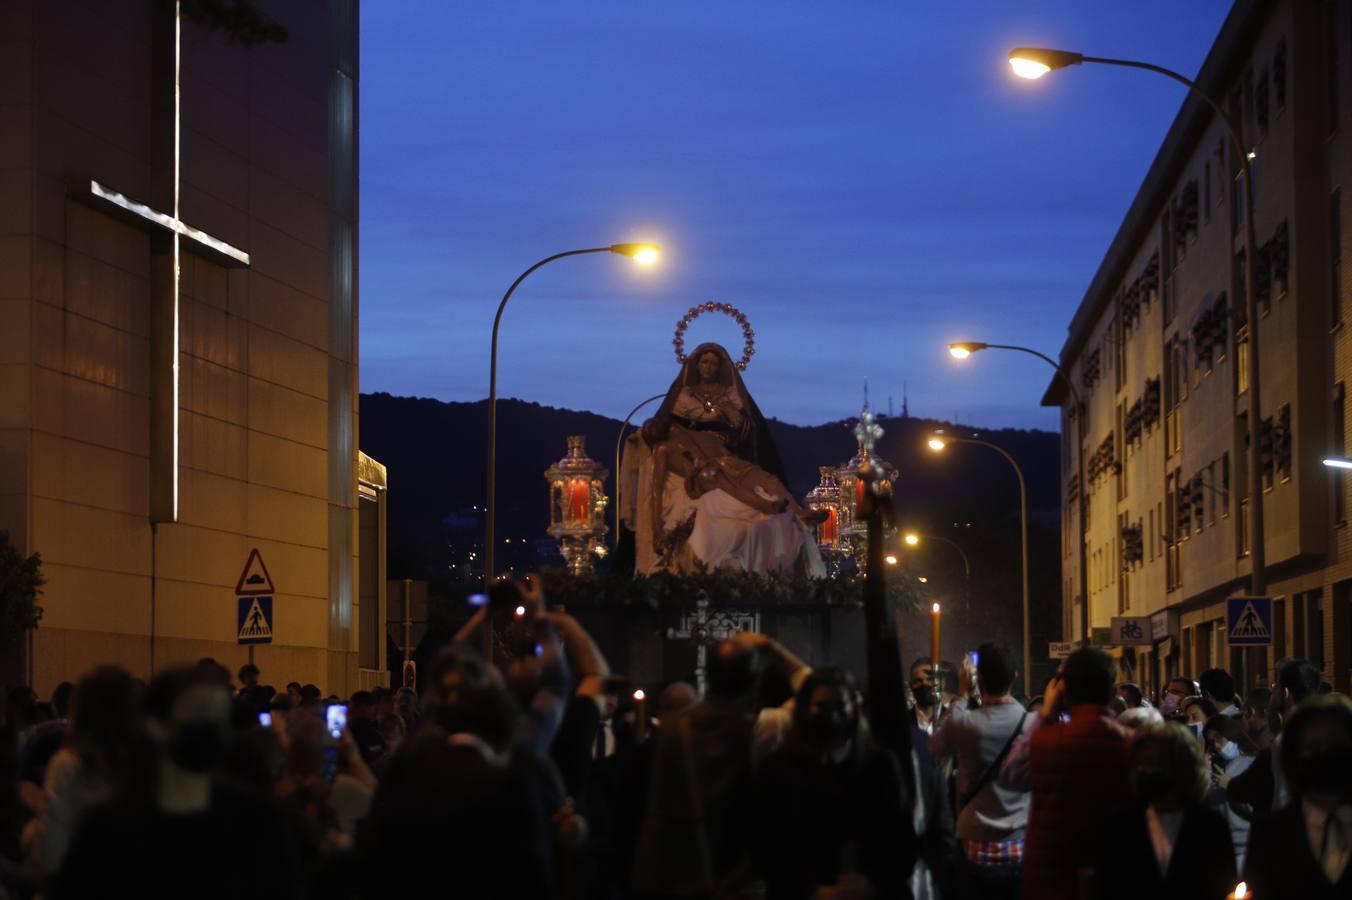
<point x="521" y="610"/>
<point x="639" y="695"/>
<point x="936" y="609"/>
<point x="1241" y="891"/>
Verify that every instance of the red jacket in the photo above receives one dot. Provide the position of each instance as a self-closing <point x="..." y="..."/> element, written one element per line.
<point x="1078" y="777"/>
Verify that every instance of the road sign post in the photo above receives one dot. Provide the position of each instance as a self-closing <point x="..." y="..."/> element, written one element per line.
<point x="253" y="599"/>
<point x="1248" y="621"/>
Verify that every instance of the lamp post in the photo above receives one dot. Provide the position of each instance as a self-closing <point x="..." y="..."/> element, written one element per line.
<point x="913" y="539"/>
<point x="937" y="442"/>
<point x="1033" y="62"/>
<point x="964" y="349"/>
<point x="644" y="254"/>
<point x="619" y="443"/>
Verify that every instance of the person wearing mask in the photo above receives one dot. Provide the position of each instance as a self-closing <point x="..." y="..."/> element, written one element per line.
<point x="1303" y="850"/>
<point x="1196" y="712"/>
<point x="1217" y="686"/>
<point x="1254" y="717"/>
<point x="1076" y="774"/>
<point x="1175" y="692"/>
<point x="926" y="697"/>
<point x="1168" y="845"/>
<point x="192" y="832"/>
<point x="829" y="804"/>
<point x="1263" y="785"/>
<point x="991" y="817"/>
<point x="1230" y="753"/>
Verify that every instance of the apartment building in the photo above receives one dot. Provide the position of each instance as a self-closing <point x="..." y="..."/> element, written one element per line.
<point x="1158" y="351"/>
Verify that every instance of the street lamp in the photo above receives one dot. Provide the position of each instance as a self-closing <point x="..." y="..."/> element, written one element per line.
<point x="912" y="539"/>
<point x="619" y="444"/>
<point x="643" y="254"/>
<point x="944" y="440"/>
<point x="964" y="349"/>
<point x="1034" y="62"/>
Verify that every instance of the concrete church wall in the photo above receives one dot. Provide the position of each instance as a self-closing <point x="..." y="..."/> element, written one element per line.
<point x="268" y="351"/>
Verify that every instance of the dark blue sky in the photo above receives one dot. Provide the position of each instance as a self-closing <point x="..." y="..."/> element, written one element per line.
<point x="864" y="179"/>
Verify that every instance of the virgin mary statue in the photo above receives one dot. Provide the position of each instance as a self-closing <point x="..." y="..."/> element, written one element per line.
<point x="707" y="482"/>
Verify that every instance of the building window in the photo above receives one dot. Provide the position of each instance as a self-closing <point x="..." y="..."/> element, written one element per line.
<point x="1336" y="258"/>
<point x="1225" y="483"/>
<point x="1121" y="456"/>
<point x="1333" y="36"/>
<point x="1279" y="76"/>
<point x="1339" y="444"/>
<point x="1212" y="491"/>
<point x="1242" y="360"/>
<point x="1206" y="192"/>
<point x="1260" y="104"/>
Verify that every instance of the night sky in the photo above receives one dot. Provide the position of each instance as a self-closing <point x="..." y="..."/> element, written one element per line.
<point x="865" y="179"/>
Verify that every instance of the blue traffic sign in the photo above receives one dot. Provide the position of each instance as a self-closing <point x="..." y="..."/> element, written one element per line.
<point x="255" y="620"/>
<point x="1249" y="621"/>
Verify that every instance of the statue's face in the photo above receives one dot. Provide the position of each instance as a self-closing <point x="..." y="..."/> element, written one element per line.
<point x="709" y="365"/>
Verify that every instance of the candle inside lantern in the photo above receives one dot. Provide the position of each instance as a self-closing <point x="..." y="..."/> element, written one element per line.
<point x="831" y="527"/>
<point x="935" y="615"/>
<point x="640" y="716"/>
<point x="579" y="496"/>
<point x="859" y="488"/>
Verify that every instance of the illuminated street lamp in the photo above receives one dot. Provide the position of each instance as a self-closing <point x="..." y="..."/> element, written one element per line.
<point x="964" y="349"/>
<point x="943" y="440"/>
<point x="913" y="540"/>
<point x="644" y="255"/>
<point x="1034" y="62"/>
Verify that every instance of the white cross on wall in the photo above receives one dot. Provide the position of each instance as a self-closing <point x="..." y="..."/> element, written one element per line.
<point x="178" y="229"/>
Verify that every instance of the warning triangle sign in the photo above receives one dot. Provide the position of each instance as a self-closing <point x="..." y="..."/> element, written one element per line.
<point x="255" y="578"/>
<point x="256" y="625"/>
<point x="1250" y="626"/>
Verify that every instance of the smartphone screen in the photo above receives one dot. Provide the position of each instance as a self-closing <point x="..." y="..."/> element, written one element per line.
<point x="478" y="599"/>
<point x="265" y="719"/>
<point x="336" y="719"/>
<point x="973" y="658"/>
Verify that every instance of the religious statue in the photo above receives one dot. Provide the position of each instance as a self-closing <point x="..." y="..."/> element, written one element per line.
<point x="707" y="481"/>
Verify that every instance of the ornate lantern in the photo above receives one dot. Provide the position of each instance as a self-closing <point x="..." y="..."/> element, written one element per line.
<point x="577" y="506"/>
<point x="854" y="532"/>
<point x="826" y="496"/>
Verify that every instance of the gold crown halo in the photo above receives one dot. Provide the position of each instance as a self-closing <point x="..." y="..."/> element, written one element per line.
<point x="748" y="349"/>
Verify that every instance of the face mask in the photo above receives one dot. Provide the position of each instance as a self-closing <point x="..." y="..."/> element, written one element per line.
<point x="1151" y="786"/>
<point x="1328" y="771"/>
<point x="1169" y="705"/>
<point x="1229" y="751"/>
<point x="826" y="730"/>
<point x="198" y="745"/>
<point x="924" y="695"/>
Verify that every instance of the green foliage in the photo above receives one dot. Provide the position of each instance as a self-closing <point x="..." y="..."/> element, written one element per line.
<point x="21" y="583"/>
<point x="727" y="588"/>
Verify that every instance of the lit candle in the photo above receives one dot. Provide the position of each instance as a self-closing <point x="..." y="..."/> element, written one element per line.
<point x="934" y="640"/>
<point x="579" y="493"/>
<point x="640" y="716"/>
<point x="1241" y="892"/>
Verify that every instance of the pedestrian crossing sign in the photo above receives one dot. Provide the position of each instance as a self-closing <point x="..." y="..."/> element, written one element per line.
<point x="1249" y="621"/>
<point x="255" y="620"/>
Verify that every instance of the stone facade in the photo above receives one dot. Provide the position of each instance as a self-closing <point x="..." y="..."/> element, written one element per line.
<point x="261" y="432"/>
<point x="1157" y="350"/>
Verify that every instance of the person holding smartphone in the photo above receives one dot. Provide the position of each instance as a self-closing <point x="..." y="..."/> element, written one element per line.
<point x="991" y="815"/>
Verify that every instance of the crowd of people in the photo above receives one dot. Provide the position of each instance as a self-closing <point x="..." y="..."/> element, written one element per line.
<point x="547" y="776"/>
